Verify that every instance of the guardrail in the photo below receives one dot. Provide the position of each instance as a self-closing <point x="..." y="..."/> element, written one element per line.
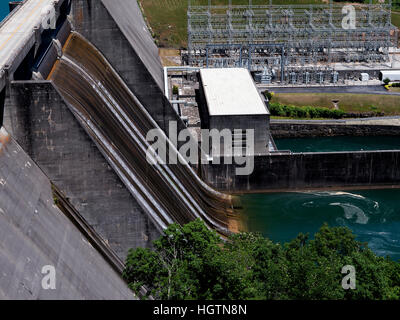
<point x="177" y="68"/>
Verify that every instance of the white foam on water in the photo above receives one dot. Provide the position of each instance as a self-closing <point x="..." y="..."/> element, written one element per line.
<point x="308" y="204"/>
<point x="351" y="211"/>
<point x="340" y="193"/>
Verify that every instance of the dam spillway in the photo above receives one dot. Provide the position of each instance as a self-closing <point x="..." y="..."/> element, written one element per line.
<point x="85" y="126"/>
<point x="118" y="124"/>
<point x="40" y="120"/>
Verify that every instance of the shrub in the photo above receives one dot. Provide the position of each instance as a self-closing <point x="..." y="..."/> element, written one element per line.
<point x="301" y="112"/>
<point x="279" y="110"/>
<point x="289" y="111"/>
<point x="386" y="81"/>
<point x="269" y="95"/>
<point x="338" y="114"/>
<point x="175" y="90"/>
<point x="324" y="113"/>
<point x="312" y="112"/>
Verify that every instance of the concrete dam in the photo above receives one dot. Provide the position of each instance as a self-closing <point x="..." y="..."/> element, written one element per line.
<point x="117" y="122"/>
<point x="76" y="104"/>
<point x="82" y="116"/>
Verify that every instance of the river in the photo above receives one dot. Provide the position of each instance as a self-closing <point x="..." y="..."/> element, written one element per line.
<point x="373" y="215"/>
<point x="342" y="143"/>
<point x="4" y="9"/>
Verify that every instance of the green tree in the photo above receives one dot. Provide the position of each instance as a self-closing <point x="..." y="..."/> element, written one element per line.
<point x="192" y="262"/>
<point x="269" y="95"/>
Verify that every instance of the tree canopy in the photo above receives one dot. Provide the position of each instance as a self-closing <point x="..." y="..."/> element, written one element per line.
<point x="193" y="262"/>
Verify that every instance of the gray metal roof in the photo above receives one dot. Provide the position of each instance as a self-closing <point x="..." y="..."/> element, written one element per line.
<point x="231" y="91"/>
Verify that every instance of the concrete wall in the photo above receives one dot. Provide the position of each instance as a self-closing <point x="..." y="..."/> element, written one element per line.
<point x="304" y="129"/>
<point x="46" y="129"/>
<point x="310" y="170"/>
<point x="260" y="124"/>
<point x="118" y="30"/>
<point x="13" y="5"/>
<point x="35" y="233"/>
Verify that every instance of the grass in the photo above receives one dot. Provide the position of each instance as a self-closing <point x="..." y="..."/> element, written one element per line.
<point x="168" y="18"/>
<point x="395" y="90"/>
<point x="356" y="103"/>
<point x="396" y="18"/>
<point x="167" y="55"/>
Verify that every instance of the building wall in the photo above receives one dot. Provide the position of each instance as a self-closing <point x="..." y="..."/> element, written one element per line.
<point x="301" y="171"/>
<point x="47" y="130"/>
<point x="260" y="124"/>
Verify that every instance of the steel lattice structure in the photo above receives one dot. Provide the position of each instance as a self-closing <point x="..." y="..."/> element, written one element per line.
<point x="285" y="37"/>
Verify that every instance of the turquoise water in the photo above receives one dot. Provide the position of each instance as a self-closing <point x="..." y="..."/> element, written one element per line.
<point x="328" y="144"/>
<point x="373" y="215"/>
<point x="3" y="9"/>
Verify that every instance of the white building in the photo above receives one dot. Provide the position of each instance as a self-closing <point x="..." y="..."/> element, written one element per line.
<point x="231" y="100"/>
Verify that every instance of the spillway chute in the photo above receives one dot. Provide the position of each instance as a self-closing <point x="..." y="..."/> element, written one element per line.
<point x="118" y="124"/>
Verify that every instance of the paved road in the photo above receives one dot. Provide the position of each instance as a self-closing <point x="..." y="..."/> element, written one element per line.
<point x="15" y="32"/>
<point x="341" y="89"/>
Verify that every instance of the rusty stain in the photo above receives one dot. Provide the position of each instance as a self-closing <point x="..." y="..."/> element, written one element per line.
<point x="4" y="137"/>
<point x="79" y="16"/>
